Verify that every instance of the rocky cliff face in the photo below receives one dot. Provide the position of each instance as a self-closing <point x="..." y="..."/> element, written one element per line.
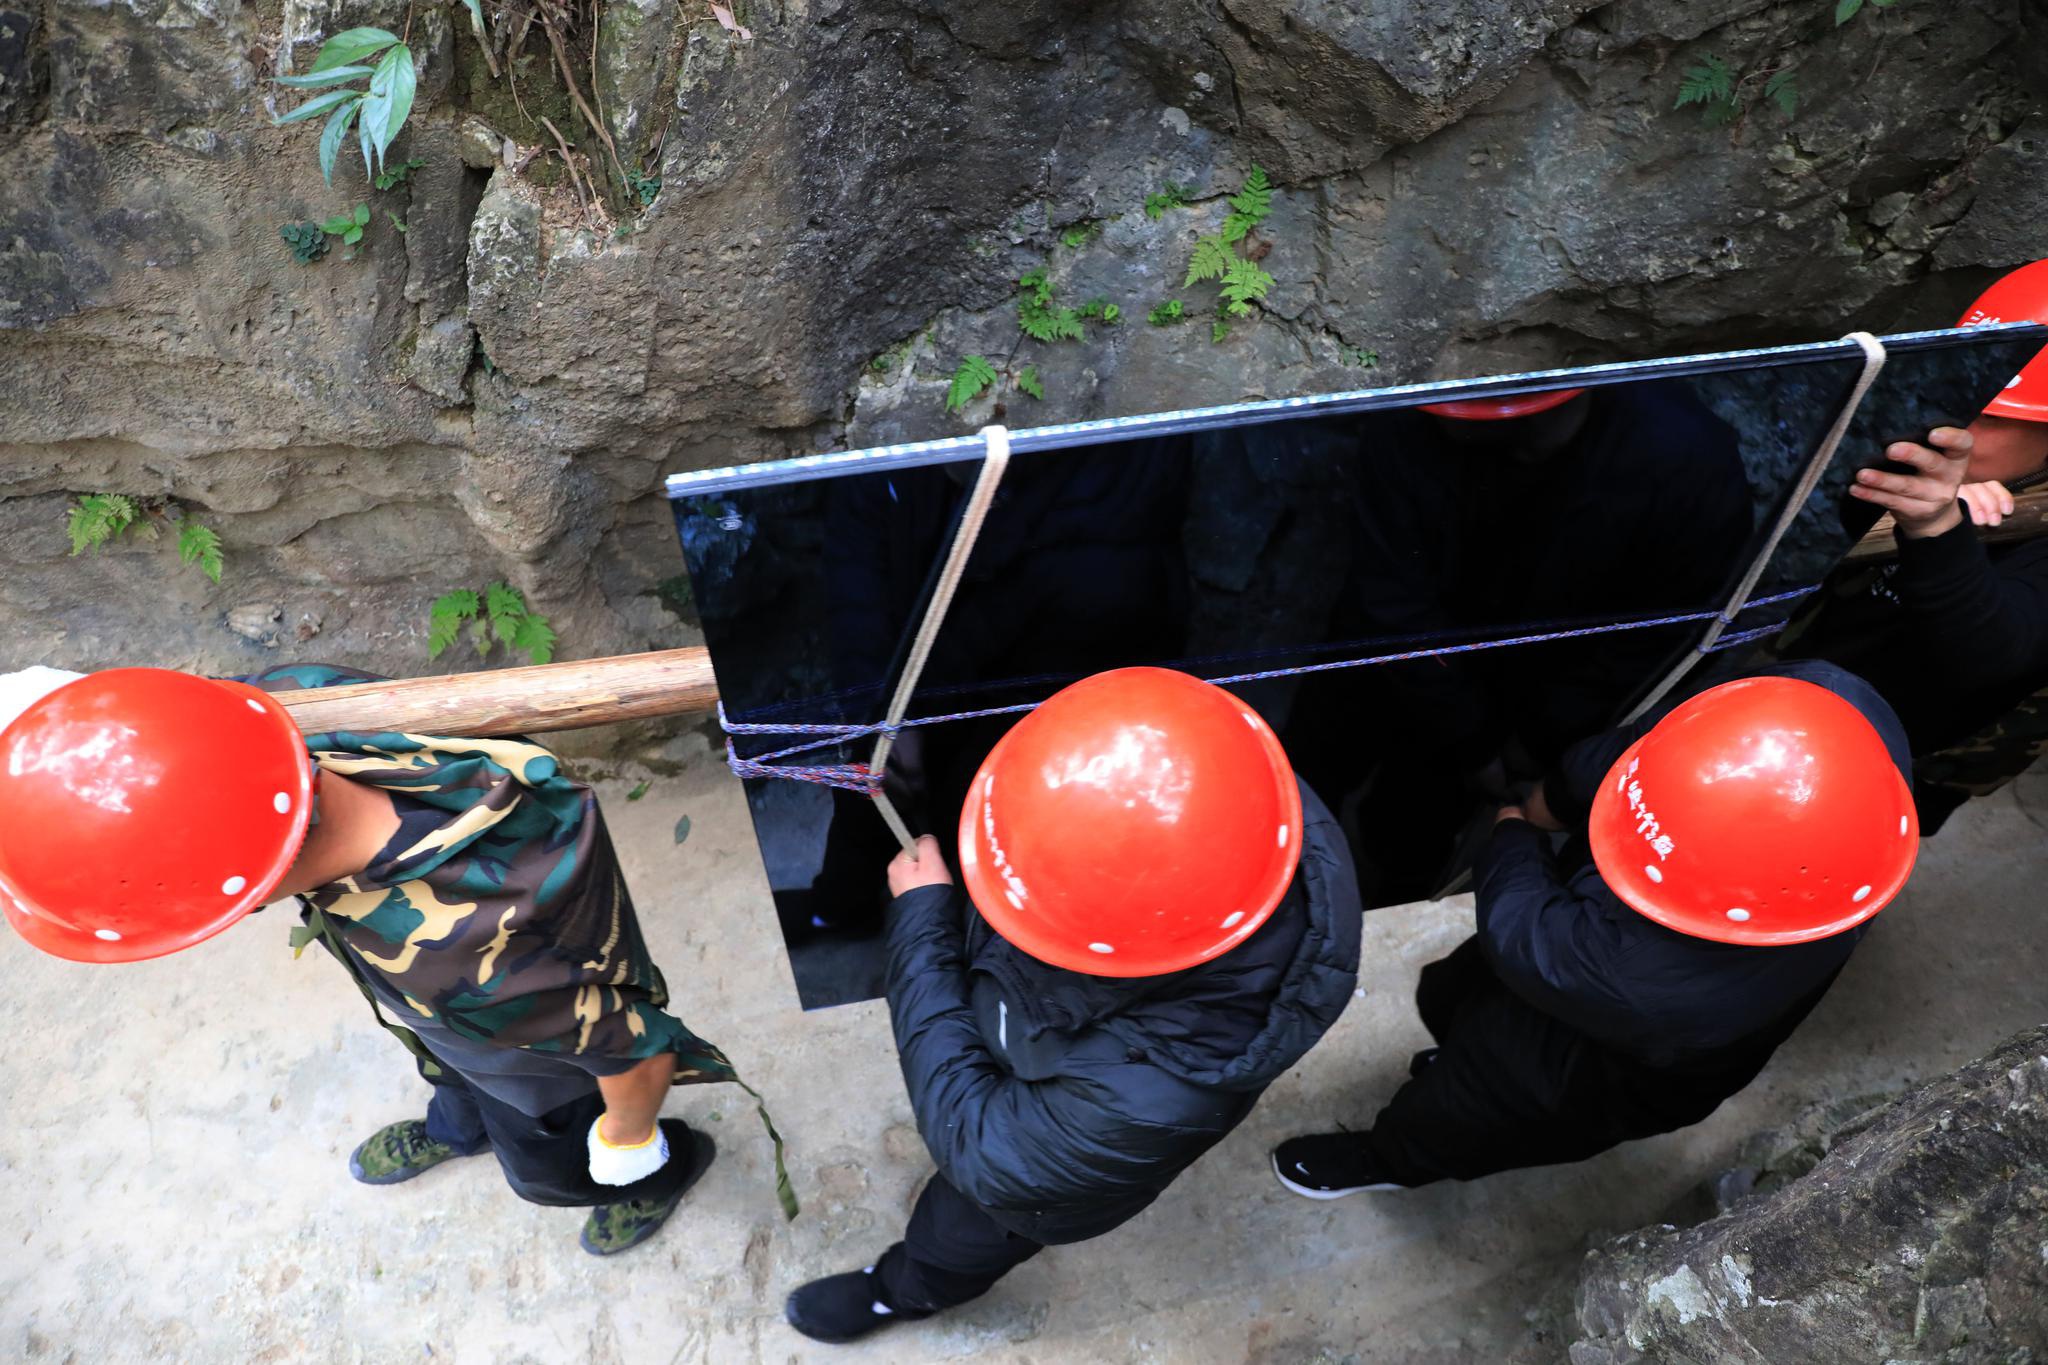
<point x="1919" y="1235"/>
<point x="847" y="197"/>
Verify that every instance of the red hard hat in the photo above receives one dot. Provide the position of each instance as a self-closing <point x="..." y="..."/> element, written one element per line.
<point x="1139" y="822"/>
<point x="1765" y="811"/>
<point x="1500" y="409"/>
<point x="143" y="810"/>
<point x="2021" y="296"/>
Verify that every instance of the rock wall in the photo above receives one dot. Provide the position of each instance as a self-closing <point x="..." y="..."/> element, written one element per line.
<point x="1919" y="1235"/>
<point x="847" y="197"/>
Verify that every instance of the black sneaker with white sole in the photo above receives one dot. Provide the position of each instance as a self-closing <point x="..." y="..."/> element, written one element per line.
<point x="842" y="1308"/>
<point x="1328" y="1166"/>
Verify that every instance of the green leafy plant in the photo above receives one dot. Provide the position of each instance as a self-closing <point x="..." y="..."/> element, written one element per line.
<point x="1079" y="233"/>
<point x="1027" y="381"/>
<point x="1172" y="197"/>
<point x="1709" y="83"/>
<point x="1168" y="313"/>
<point x="643" y="186"/>
<point x="499" y="615"/>
<point x="1724" y="95"/>
<point x="199" y="545"/>
<point x="307" y="241"/>
<point x="1845" y="10"/>
<point x="348" y="226"/>
<point x="397" y="173"/>
<point x="1782" y="89"/>
<point x="1244" y="284"/>
<point x="1359" y="357"/>
<point x="97" y="518"/>
<point x="1039" y="318"/>
<point x="378" y="110"/>
<point x="397" y="222"/>
<point x="1102" y="310"/>
<point x="1249" y="206"/>
<point x="1211" y="260"/>
<point x="970" y="380"/>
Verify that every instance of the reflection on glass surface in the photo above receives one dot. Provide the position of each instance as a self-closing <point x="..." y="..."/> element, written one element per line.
<point x="1265" y="547"/>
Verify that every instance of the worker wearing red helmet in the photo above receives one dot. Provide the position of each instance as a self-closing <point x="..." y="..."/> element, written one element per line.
<point x="1955" y="633"/>
<point x="1159" y="920"/>
<point x="467" y="885"/>
<point x="1726" y="856"/>
<point x="1479" y="516"/>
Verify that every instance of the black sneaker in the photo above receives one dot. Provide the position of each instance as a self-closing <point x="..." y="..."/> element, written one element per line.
<point x="398" y="1151"/>
<point x="1327" y="1166"/>
<point x="613" y="1228"/>
<point x="841" y="1308"/>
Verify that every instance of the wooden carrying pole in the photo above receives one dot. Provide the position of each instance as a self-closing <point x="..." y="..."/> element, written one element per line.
<point x="516" y="701"/>
<point x="678" y="682"/>
<point x="2029" y="519"/>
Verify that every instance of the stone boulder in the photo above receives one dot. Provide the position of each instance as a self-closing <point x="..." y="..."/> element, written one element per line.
<point x="1918" y="1236"/>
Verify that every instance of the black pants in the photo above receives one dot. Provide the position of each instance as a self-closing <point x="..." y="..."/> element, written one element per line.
<point x="951" y="1252"/>
<point x="1511" y="1087"/>
<point x="546" y="1160"/>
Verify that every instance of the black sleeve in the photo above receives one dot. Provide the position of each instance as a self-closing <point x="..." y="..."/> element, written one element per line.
<point x="1983" y="625"/>
<point x="1005" y="1143"/>
<point x="1542" y="938"/>
<point x="1569" y="785"/>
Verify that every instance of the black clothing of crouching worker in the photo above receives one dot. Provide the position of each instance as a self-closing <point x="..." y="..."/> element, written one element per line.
<point x="1057" y="1106"/>
<point x="1570" y="1023"/>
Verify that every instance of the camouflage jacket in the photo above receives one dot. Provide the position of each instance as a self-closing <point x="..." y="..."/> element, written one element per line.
<point x="509" y="922"/>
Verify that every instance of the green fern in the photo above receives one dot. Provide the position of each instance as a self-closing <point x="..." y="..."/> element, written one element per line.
<point x="1782" y="90"/>
<point x="969" y="381"/>
<point x="1102" y="310"/>
<point x="536" y="637"/>
<point x="1218" y="330"/>
<point x="97" y="518"/>
<point x="1027" y="381"/>
<point x="1709" y="80"/>
<point x="1710" y="83"/>
<point x="1211" y="261"/>
<point x="1168" y="313"/>
<point x="445" y="618"/>
<point x="505" y="607"/>
<point x="1079" y="233"/>
<point x="1036" y="315"/>
<point x="498" y="615"/>
<point x="1172" y="197"/>
<point x="200" y="545"/>
<point x="1249" y="206"/>
<point x="1244" y="284"/>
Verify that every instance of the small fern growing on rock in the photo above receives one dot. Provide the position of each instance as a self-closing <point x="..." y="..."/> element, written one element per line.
<point x="499" y="615"/>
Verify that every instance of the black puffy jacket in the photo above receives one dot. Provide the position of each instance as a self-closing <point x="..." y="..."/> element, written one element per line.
<point x="1559" y="938"/>
<point x="1063" y="1104"/>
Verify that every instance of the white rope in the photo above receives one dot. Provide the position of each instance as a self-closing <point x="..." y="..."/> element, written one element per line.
<point x="996" y="459"/>
<point x="1823" y="455"/>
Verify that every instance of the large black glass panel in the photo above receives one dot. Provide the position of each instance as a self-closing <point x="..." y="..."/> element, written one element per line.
<point x="1263" y="545"/>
